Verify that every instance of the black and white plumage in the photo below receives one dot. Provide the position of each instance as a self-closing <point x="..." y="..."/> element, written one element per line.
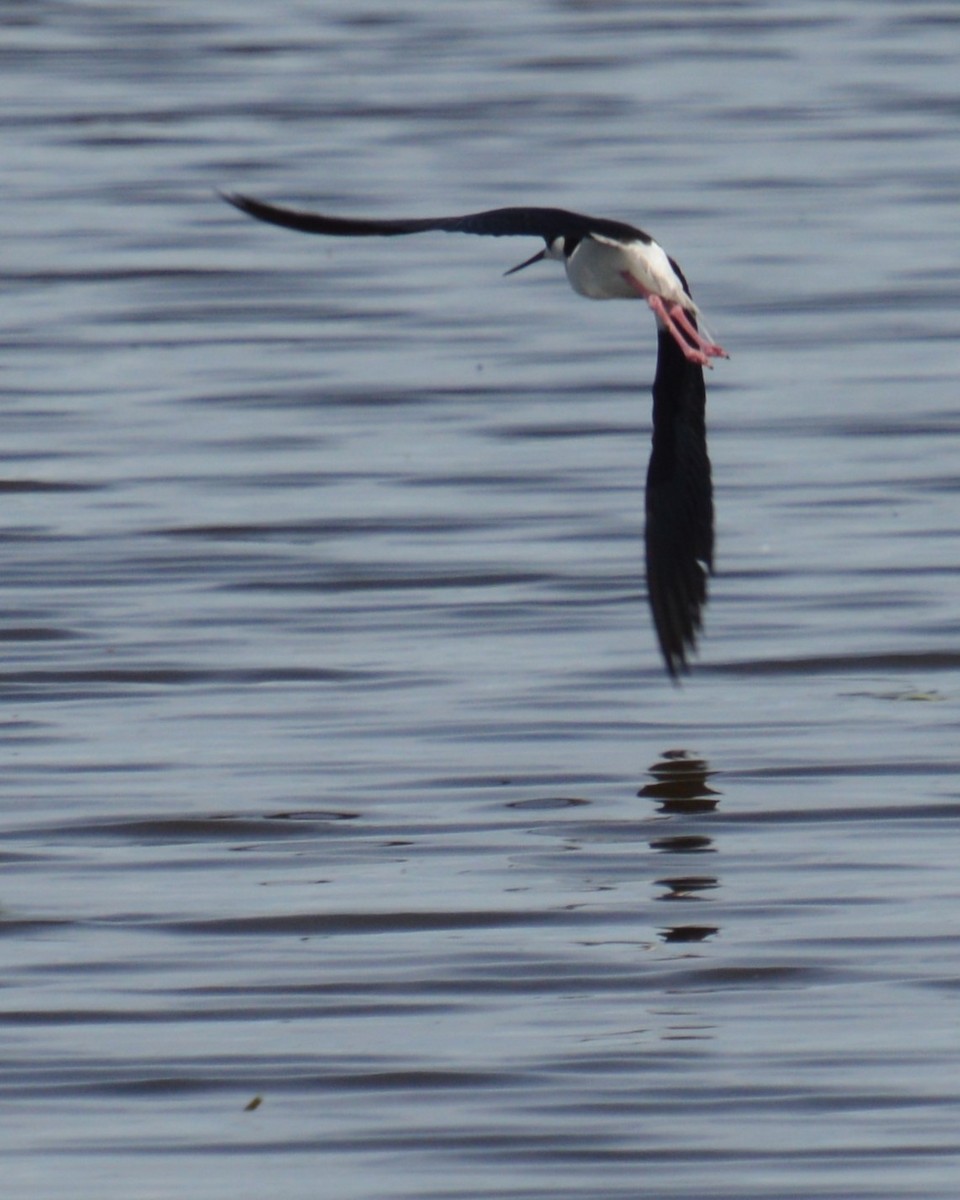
<point x="607" y="259"/>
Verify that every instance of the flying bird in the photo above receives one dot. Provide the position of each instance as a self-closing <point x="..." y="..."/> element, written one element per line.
<point x="610" y="260"/>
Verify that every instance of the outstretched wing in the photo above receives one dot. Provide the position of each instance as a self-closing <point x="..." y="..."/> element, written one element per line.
<point x="547" y="223"/>
<point x="679" y="494"/>
<point x="679" y="505"/>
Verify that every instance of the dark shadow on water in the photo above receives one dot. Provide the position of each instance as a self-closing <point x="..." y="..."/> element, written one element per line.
<point x="681" y="790"/>
<point x="680" y="784"/>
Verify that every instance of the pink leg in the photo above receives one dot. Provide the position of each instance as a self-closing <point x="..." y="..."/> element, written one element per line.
<point x="696" y="348"/>
<point x="690" y="353"/>
<point x="711" y="349"/>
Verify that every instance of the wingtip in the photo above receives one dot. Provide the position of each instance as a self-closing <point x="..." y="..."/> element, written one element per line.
<point x="235" y="198"/>
<point x="677" y="668"/>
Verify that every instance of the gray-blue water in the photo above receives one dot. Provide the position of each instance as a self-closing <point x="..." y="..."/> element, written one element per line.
<point x="354" y="843"/>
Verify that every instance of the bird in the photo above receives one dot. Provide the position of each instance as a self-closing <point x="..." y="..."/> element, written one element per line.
<point x="607" y="259"/>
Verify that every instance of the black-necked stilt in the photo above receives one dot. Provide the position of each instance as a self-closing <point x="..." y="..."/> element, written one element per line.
<point x="607" y="260"/>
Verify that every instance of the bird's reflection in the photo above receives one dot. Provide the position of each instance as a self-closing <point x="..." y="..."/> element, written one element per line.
<point x="680" y="788"/>
<point x="688" y="933"/>
<point x="686" y="887"/>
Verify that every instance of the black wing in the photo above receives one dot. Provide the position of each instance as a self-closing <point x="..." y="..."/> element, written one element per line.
<point x="679" y="503"/>
<point x="548" y="223"/>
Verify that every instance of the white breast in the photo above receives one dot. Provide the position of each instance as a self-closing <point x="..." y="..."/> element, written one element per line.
<point x="599" y="267"/>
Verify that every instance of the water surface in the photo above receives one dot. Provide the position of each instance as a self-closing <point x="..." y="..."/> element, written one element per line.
<point x="355" y="843"/>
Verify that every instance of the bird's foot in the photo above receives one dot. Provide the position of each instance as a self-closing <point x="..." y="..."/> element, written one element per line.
<point x="696" y="347"/>
<point x="699" y="341"/>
